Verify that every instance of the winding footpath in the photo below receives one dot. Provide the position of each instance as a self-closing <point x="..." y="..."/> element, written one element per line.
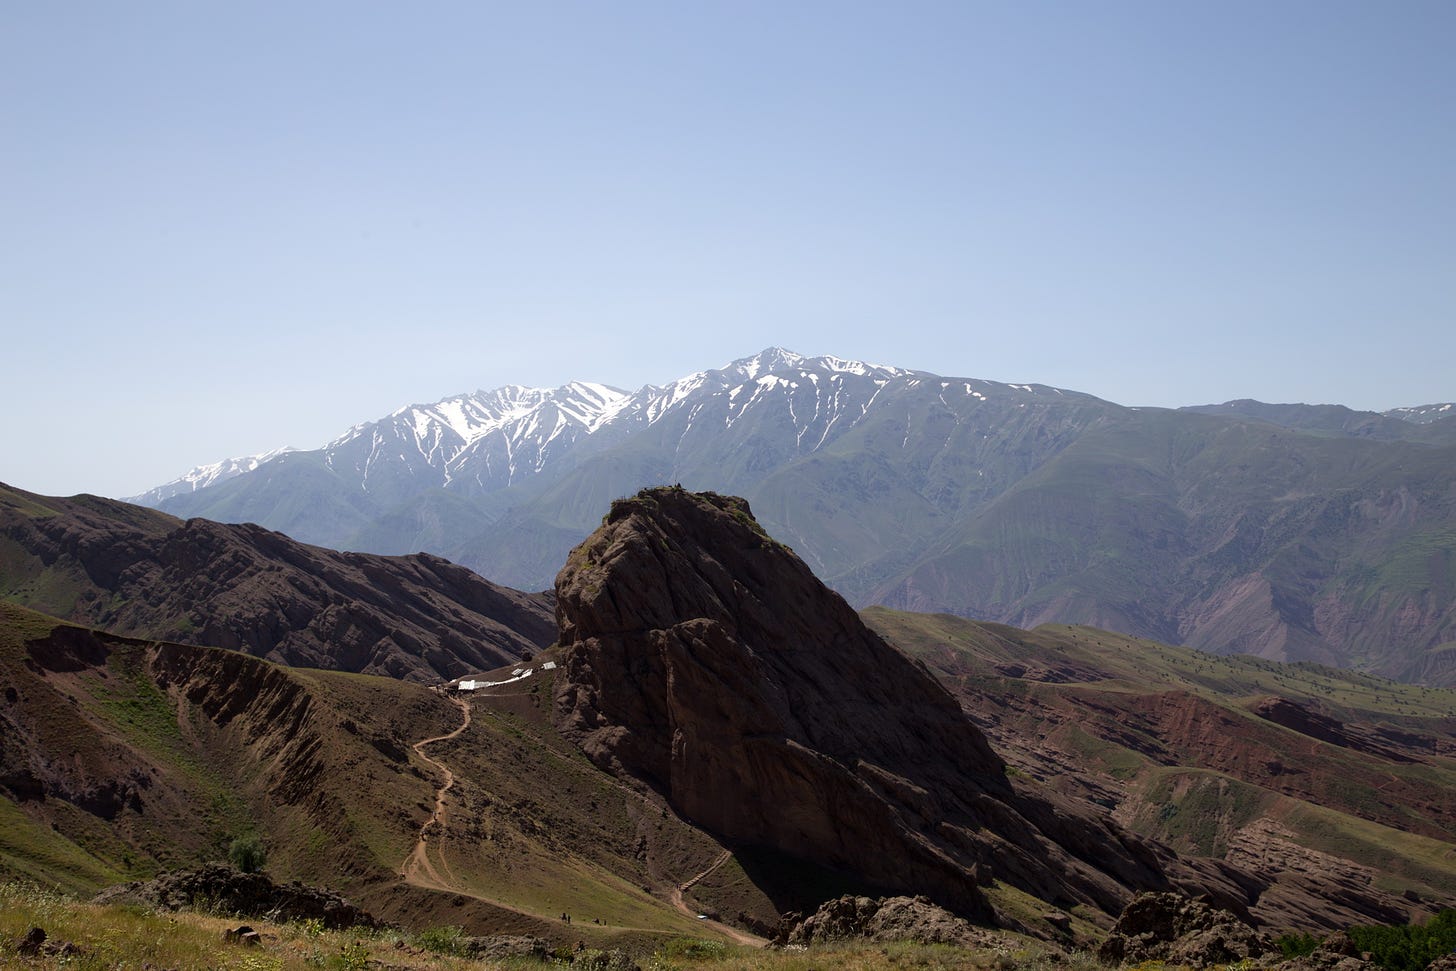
<point x="741" y="937"/>
<point x="417" y="868"/>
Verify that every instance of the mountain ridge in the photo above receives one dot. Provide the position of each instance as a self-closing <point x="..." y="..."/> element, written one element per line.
<point x="140" y="572"/>
<point x="1295" y="532"/>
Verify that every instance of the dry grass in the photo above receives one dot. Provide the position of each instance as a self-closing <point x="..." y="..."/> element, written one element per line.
<point x="109" y="938"/>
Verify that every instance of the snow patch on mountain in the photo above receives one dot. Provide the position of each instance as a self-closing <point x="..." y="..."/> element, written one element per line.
<point x="490" y="440"/>
<point x="1424" y="414"/>
<point x="206" y="475"/>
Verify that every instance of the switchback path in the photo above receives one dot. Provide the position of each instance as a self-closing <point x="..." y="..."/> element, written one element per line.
<point x="417" y="867"/>
<point x="741" y="937"/>
<point x="418" y="870"/>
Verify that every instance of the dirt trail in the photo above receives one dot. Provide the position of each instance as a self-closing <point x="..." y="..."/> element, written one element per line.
<point x="742" y="937"/>
<point x="417" y="867"/>
<point x="419" y="870"/>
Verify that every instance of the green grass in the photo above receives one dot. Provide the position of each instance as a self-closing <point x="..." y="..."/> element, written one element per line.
<point x="36" y="853"/>
<point x="1198" y="810"/>
<point x="104" y="938"/>
<point x="1403" y="860"/>
<point x="134" y="703"/>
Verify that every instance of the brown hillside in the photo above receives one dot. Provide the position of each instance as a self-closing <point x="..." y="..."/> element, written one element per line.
<point x="134" y="571"/>
<point x="121" y="757"/>
<point x="1333" y="784"/>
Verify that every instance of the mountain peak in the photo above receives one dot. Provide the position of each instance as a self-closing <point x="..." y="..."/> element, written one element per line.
<point x="777" y="359"/>
<point x="768" y="360"/>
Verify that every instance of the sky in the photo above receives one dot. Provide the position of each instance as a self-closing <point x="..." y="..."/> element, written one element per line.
<point x="226" y="228"/>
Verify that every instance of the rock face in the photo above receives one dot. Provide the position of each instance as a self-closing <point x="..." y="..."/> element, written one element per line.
<point x="139" y="572"/>
<point x="885" y="919"/>
<point x="225" y="889"/>
<point x="706" y="660"/>
<point x="1174" y="929"/>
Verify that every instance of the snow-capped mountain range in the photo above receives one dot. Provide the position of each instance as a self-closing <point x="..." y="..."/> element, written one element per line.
<point x="494" y="439"/>
<point x="1424" y="414"/>
<point x="1231" y="527"/>
<point x="205" y="475"/>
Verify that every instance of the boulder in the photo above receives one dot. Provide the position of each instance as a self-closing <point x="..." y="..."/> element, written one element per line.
<point x="1175" y="929"/>
<point x="505" y="947"/>
<point x="885" y="919"/>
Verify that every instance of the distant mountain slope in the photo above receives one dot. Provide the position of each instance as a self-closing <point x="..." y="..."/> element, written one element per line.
<point x="1228" y="536"/>
<point x="1295" y="768"/>
<point x="1431" y="424"/>
<point x="1425" y="414"/>
<point x="1291" y="531"/>
<point x="137" y="571"/>
<point x="205" y="475"/>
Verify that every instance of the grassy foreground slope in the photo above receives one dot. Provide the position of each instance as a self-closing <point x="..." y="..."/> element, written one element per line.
<point x="105" y="937"/>
<point x="1277" y="767"/>
<point x="121" y="757"/>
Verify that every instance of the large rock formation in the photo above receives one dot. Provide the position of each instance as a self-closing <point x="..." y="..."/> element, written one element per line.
<point x="706" y="660"/>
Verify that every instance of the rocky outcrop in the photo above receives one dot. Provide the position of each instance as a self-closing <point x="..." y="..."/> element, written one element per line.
<point x="222" y="889"/>
<point x="242" y="587"/>
<point x="706" y="661"/>
<point x="1177" y="930"/>
<point x="1339" y="953"/>
<point x="885" y="919"/>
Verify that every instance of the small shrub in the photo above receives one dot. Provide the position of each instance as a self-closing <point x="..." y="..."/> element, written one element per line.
<point x="248" y="854"/>
<point x="352" y="956"/>
<point x="613" y="959"/>
<point x="1297" y="945"/>
<point x="693" y="949"/>
<point x="442" y="940"/>
<point x="1410" y="947"/>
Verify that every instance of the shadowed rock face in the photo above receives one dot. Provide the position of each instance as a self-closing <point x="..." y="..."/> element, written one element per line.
<point x="707" y="661"/>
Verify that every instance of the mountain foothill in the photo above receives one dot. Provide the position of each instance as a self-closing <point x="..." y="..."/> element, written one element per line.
<point x="1013" y="650"/>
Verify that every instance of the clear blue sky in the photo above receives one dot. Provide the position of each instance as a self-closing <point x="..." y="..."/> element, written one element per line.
<point x="229" y="227"/>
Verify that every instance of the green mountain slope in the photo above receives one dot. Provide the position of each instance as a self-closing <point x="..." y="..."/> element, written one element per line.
<point x="1230" y="537"/>
<point x="1295" y="768"/>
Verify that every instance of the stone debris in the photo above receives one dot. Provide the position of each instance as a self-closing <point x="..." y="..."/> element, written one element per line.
<point x="244" y="935"/>
<point x="36" y="943"/>
<point x="1175" y="929"/>
<point x="886" y="919"/>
